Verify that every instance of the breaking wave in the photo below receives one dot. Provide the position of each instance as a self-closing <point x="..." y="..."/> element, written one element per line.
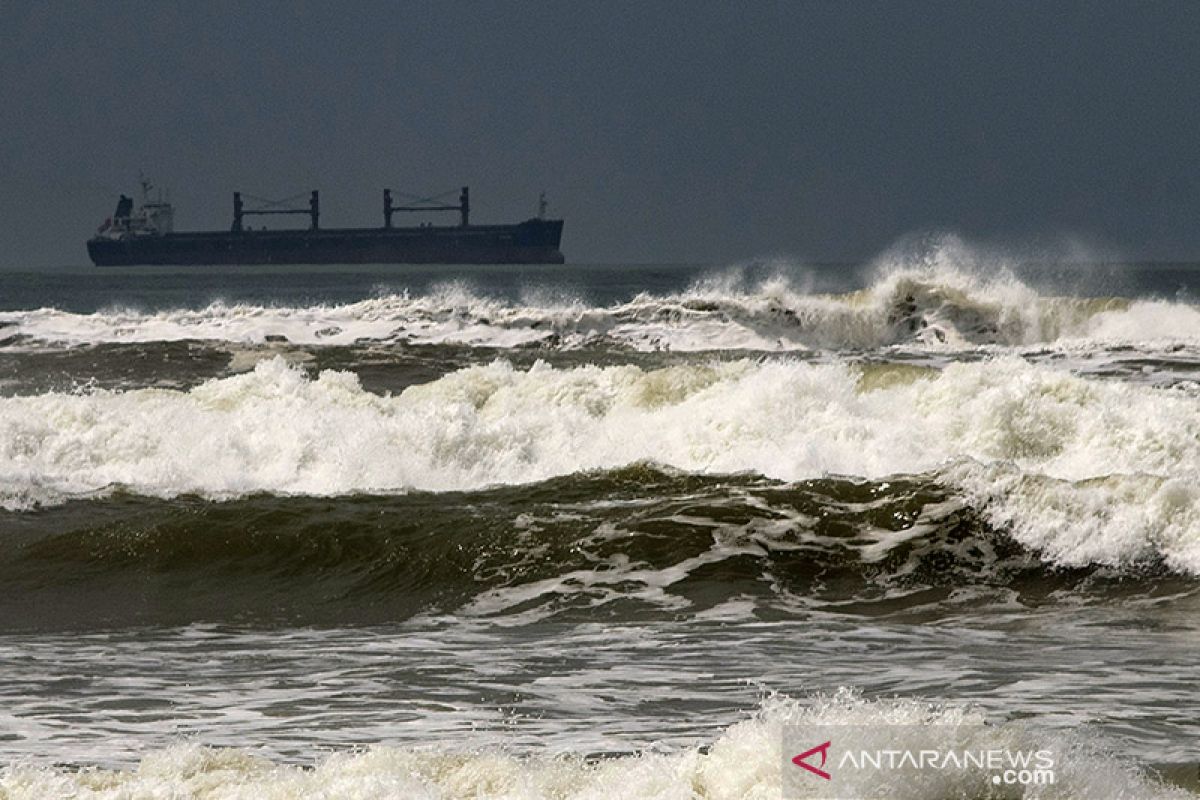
<point x="1082" y="471"/>
<point x="745" y="761"/>
<point x="636" y="544"/>
<point x="928" y="306"/>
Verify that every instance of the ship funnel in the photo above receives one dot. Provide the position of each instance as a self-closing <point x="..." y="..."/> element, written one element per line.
<point x="124" y="208"/>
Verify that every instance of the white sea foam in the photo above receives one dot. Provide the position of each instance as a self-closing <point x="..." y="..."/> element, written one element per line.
<point x="932" y="304"/>
<point x="1082" y="470"/>
<point x="745" y="762"/>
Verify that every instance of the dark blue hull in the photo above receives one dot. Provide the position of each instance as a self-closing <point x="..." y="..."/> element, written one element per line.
<point x="535" y="241"/>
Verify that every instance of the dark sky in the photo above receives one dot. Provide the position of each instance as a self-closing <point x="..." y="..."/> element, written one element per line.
<point x="679" y="132"/>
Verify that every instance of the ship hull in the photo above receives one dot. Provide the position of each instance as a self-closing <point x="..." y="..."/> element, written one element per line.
<point x="535" y="241"/>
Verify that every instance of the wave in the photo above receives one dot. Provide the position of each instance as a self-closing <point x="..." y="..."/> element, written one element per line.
<point x="1084" y="472"/>
<point x="745" y="761"/>
<point x="636" y="543"/>
<point x="932" y="305"/>
<point x="632" y="544"/>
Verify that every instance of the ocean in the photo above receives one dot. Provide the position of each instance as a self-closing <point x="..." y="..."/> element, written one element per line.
<point x="595" y="531"/>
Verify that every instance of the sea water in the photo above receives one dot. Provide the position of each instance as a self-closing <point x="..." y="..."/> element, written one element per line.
<point x="593" y="531"/>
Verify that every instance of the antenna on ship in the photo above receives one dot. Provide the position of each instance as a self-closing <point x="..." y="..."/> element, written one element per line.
<point x="542" y="204"/>
<point x="146" y="187"/>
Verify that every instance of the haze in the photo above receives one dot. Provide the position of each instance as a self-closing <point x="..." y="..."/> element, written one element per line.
<point x="661" y="132"/>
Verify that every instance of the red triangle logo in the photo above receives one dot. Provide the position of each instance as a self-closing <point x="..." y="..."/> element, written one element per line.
<point x="823" y="749"/>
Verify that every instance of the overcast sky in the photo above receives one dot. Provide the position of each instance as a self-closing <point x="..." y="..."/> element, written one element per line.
<point x="661" y="132"/>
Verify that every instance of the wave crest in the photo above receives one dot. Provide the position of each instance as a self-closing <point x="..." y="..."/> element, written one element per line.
<point x="745" y="761"/>
<point x="1089" y="472"/>
<point x="935" y="304"/>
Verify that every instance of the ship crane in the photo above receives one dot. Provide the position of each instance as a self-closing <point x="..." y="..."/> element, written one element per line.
<point x="435" y="203"/>
<point x="270" y="207"/>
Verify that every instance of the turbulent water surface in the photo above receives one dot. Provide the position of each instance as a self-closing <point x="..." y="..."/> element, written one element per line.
<point x="593" y="531"/>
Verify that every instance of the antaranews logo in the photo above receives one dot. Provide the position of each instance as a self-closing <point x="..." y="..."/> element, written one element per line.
<point x="891" y="761"/>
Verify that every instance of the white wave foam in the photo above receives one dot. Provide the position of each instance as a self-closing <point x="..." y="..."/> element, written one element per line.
<point x="1086" y="471"/>
<point x="745" y="762"/>
<point x="933" y="304"/>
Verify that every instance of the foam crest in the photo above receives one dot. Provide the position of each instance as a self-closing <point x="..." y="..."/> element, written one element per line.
<point x="1085" y="471"/>
<point x="940" y="301"/>
<point x="744" y="762"/>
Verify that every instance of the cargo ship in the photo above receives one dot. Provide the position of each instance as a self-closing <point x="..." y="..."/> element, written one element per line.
<point x="147" y="236"/>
